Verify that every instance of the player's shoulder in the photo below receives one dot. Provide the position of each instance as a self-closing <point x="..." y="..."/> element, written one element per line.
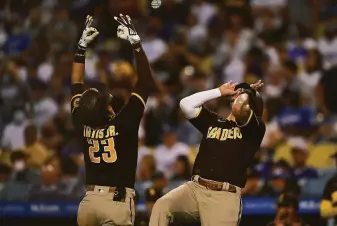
<point x="138" y="97"/>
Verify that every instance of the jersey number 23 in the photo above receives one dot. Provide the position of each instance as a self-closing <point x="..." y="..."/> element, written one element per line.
<point x="107" y="146"/>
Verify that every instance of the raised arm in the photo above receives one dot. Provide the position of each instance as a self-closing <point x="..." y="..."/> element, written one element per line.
<point x="77" y="76"/>
<point x="88" y="35"/>
<point x="146" y="82"/>
<point x="191" y="105"/>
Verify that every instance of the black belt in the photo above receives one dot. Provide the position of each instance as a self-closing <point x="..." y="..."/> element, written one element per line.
<point x="92" y="188"/>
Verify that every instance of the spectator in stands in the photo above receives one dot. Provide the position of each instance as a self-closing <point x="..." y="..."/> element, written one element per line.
<point x="18" y="40"/>
<point x="153" y="45"/>
<point x="45" y="108"/>
<point x="159" y="181"/>
<point x="19" y="184"/>
<point x="5" y="172"/>
<point x="182" y="170"/>
<point x="326" y="93"/>
<point x="61" y="32"/>
<point x="295" y="118"/>
<point x="300" y="152"/>
<point x="14" y="92"/>
<point x="287" y="212"/>
<point x="21" y="171"/>
<point x="204" y="11"/>
<point x="327" y="45"/>
<point x="151" y="196"/>
<point x="280" y="181"/>
<point x="310" y="78"/>
<point x="51" y="137"/>
<point x="34" y="149"/>
<point x="13" y="134"/>
<point x="50" y="187"/>
<point x="290" y="71"/>
<point x="167" y="153"/>
<point x="147" y="168"/>
<point x="73" y="187"/>
<point x="253" y="185"/>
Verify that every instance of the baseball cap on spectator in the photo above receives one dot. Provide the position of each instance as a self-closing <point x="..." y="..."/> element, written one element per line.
<point x="298" y="144"/>
<point x="153" y="194"/>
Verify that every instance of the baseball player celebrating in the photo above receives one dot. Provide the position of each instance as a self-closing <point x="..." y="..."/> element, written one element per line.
<point x="109" y="141"/>
<point x="226" y="150"/>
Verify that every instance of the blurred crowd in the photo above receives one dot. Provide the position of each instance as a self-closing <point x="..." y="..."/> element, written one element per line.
<point x="193" y="45"/>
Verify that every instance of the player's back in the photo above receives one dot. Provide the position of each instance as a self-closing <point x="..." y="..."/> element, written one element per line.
<point x="110" y="154"/>
<point x="110" y="151"/>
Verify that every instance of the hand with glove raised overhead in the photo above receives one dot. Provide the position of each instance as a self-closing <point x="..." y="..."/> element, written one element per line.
<point x="126" y="30"/>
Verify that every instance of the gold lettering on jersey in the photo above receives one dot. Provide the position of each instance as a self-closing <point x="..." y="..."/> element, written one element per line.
<point x="92" y="133"/>
<point x="237" y="133"/>
<point x="111" y="131"/>
<point x="212" y="132"/>
<point x="224" y="134"/>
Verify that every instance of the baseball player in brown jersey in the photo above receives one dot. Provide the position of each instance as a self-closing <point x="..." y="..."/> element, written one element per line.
<point x="109" y="141"/>
<point x="226" y="150"/>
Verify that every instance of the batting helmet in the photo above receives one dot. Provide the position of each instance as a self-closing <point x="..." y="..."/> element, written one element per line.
<point x="255" y="99"/>
<point x="93" y="107"/>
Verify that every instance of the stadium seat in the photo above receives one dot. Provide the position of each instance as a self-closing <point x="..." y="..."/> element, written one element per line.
<point x="320" y="156"/>
<point x="283" y="151"/>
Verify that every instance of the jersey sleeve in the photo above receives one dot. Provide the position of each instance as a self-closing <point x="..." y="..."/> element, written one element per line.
<point x="76" y="92"/>
<point x="131" y="114"/>
<point x="203" y="119"/>
<point x="254" y="129"/>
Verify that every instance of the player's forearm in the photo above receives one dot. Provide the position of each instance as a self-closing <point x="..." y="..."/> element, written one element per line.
<point x="327" y="209"/>
<point x="241" y="109"/>
<point x="144" y="72"/>
<point x="78" y="70"/>
<point x="190" y="105"/>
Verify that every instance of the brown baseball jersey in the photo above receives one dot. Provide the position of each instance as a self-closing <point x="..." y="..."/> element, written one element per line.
<point x="227" y="149"/>
<point x="111" y="152"/>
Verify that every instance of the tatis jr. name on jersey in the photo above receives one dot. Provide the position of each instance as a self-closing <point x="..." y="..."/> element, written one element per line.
<point x="99" y="133"/>
<point x="224" y="134"/>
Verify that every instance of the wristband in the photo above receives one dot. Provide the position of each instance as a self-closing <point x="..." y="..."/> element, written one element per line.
<point x="80" y="55"/>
